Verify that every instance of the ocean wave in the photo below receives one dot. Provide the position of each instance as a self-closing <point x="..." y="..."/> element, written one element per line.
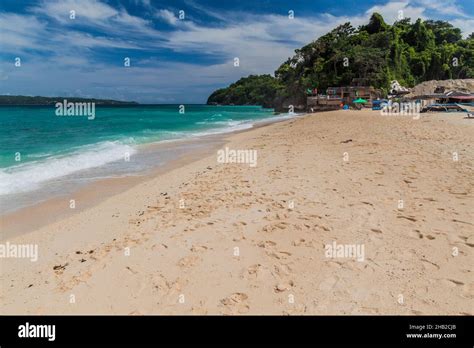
<point x="32" y="175"/>
<point x="29" y="176"/>
<point x="229" y="127"/>
<point x="39" y="155"/>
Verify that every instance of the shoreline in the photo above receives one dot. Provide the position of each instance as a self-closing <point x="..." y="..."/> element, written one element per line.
<point x="44" y="169"/>
<point x="249" y="239"/>
<point x="56" y="208"/>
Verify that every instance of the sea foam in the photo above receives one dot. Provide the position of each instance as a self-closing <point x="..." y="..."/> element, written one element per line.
<point x="29" y="176"/>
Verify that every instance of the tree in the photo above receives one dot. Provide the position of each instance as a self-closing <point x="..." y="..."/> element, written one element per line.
<point x="444" y="32"/>
<point x="251" y="90"/>
<point x="377" y="52"/>
<point x="376" y="24"/>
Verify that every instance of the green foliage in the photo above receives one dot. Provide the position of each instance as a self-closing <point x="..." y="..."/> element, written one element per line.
<point x="376" y="53"/>
<point x="376" y="24"/>
<point x="251" y="90"/>
<point x="444" y="32"/>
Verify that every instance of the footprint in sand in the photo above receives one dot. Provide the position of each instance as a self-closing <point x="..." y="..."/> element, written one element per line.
<point x="266" y="244"/>
<point x="167" y="290"/>
<point x="254" y="271"/>
<point x="298" y="242"/>
<point x="278" y="254"/>
<point x="410" y="218"/>
<point x="188" y="261"/>
<point x="450" y="283"/>
<point x="297" y="310"/>
<point x="269" y="250"/>
<point x="159" y="246"/>
<point x="236" y="303"/>
<point x="198" y="248"/>
<point x="200" y="310"/>
<point x="415" y="234"/>
<point x="59" y="269"/>
<point x="429" y="266"/>
<point x="470" y="241"/>
<point x="284" y="286"/>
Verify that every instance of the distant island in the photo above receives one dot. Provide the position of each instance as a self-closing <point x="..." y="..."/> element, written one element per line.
<point x="26" y="100"/>
<point x="376" y="54"/>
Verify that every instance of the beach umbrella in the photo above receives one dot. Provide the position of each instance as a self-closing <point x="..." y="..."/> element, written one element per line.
<point x="360" y="100"/>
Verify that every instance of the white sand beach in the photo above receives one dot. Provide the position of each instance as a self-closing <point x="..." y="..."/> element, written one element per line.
<point x="228" y="238"/>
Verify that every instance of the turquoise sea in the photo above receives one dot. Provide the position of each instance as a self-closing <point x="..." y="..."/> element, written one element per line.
<point x="41" y="153"/>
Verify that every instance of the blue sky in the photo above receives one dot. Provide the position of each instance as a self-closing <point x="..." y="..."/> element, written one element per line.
<point x="173" y="60"/>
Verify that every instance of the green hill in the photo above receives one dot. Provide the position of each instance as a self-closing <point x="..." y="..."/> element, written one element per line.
<point x="251" y="90"/>
<point x="376" y="53"/>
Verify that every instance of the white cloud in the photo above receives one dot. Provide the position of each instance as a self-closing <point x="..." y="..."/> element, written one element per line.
<point x="391" y="11"/>
<point x="446" y="7"/>
<point x="51" y="29"/>
<point x="144" y="3"/>
<point x="91" y="13"/>
<point x="20" y="32"/>
<point x="261" y="42"/>
<point x="167" y="16"/>
<point x="208" y="12"/>
<point x="85" y="10"/>
<point x="88" y="41"/>
<point x="466" y="26"/>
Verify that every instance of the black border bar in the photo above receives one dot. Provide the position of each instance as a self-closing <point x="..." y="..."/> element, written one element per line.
<point x="262" y="330"/>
